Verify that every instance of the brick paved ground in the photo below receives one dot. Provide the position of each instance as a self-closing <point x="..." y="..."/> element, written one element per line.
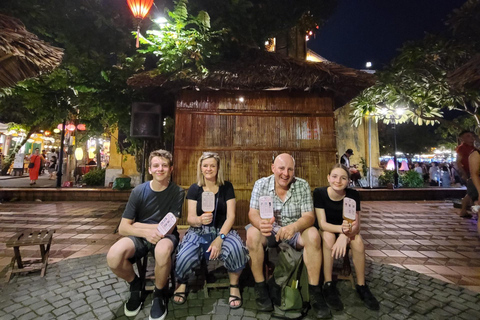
<point x="423" y="263"/>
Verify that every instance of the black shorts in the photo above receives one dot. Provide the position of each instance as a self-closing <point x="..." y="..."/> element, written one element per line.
<point x="142" y="246"/>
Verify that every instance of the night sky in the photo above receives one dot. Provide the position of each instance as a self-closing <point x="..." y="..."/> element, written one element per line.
<point x="373" y="30"/>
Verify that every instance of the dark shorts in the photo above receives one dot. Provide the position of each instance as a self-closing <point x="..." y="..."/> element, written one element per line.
<point x="142" y="246"/>
<point x="471" y="190"/>
<point x="272" y="242"/>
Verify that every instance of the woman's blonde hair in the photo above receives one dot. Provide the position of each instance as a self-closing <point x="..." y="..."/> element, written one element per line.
<point x="200" y="178"/>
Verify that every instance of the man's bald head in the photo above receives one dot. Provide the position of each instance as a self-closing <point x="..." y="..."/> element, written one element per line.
<point x="283" y="169"/>
<point x="284" y="157"/>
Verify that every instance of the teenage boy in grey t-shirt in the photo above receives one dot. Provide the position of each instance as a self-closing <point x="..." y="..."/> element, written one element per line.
<point x="147" y="206"/>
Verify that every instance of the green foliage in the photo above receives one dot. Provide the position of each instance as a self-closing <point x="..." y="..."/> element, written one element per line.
<point x="386" y="177"/>
<point x="411" y="179"/>
<point x="184" y="43"/>
<point x="94" y="177"/>
<point x="416" y="80"/>
<point x="363" y="162"/>
<point x="91" y="81"/>
<point x="251" y="22"/>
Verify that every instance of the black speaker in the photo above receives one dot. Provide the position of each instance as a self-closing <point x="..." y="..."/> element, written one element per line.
<point x="146" y="120"/>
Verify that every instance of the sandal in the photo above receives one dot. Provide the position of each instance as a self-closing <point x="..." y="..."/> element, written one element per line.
<point x="181" y="295"/>
<point x="235" y="298"/>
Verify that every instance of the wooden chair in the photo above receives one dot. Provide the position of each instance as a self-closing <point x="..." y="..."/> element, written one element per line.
<point x="142" y="265"/>
<point x="30" y="238"/>
<point x="218" y="284"/>
<point x="345" y="273"/>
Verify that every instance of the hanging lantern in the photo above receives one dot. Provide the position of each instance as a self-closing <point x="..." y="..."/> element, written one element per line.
<point x="390" y="165"/>
<point x="140" y="9"/>
<point x="404" y="166"/>
<point x="81" y="127"/>
<point x="70" y="127"/>
<point x="47" y="133"/>
<point x="79" y="154"/>
<point x="60" y="127"/>
<point x="56" y="130"/>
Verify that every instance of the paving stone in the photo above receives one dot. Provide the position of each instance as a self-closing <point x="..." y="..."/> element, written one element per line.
<point x="99" y="304"/>
<point x="21" y="298"/>
<point x="194" y="311"/>
<point x="43" y="310"/>
<point x="62" y="310"/>
<point x="250" y="313"/>
<point x="106" y="316"/>
<point x="21" y="311"/>
<point x="97" y="285"/>
<point x="475" y="314"/>
<point x="208" y="310"/>
<point x="195" y="303"/>
<point x="59" y="303"/>
<point x="422" y="307"/>
<point x="181" y="313"/>
<point x="81" y="309"/>
<point x="28" y="316"/>
<point x="113" y="298"/>
<point x="86" y="316"/>
<point x="93" y="298"/>
<point x="263" y="315"/>
<point x="473" y="306"/>
<point x="468" y="297"/>
<point x="67" y="316"/>
<point x="237" y="312"/>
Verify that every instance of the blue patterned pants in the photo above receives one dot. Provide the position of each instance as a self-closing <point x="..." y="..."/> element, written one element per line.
<point x="233" y="253"/>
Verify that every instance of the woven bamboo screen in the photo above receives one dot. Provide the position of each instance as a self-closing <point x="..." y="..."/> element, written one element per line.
<point x="247" y="130"/>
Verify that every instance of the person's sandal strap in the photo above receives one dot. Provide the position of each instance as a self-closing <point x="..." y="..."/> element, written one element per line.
<point x="181" y="295"/>
<point x="235" y="298"/>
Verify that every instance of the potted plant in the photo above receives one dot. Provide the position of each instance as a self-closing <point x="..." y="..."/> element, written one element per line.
<point x="387" y="179"/>
<point x="411" y="179"/>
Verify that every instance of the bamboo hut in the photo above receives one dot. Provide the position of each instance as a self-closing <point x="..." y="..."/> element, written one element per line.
<point x="254" y="108"/>
<point x="22" y="54"/>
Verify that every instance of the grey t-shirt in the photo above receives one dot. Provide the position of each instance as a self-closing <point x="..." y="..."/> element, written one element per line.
<point x="148" y="206"/>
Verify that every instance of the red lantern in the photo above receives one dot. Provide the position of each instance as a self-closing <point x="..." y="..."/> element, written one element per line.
<point x="60" y="127"/>
<point x="70" y="127"/>
<point x="140" y="10"/>
<point x="81" y="127"/>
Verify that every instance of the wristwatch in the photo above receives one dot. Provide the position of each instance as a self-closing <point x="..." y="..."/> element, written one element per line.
<point x="222" y="236"/>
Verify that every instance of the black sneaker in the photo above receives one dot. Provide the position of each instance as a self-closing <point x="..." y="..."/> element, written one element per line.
<point x="159" y="308"/>
<point x="134" y="304"/>
<point x="317" y="302"/>
<point x="367" y="297"/>
<point x="262" y="298"/>
<point x="330" y="294"/>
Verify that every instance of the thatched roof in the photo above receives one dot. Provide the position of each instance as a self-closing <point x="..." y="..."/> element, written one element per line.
<point x="467" y="76"/>
<point x="22" y="54"/>
<point x="260" y="70"/>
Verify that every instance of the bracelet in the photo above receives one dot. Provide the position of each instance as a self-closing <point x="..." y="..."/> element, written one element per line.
<point x="343" y="231"/>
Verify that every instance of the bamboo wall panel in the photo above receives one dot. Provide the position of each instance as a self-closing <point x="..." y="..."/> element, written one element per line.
<point x="242" y="130"/>
<point x="248" y="135"/>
